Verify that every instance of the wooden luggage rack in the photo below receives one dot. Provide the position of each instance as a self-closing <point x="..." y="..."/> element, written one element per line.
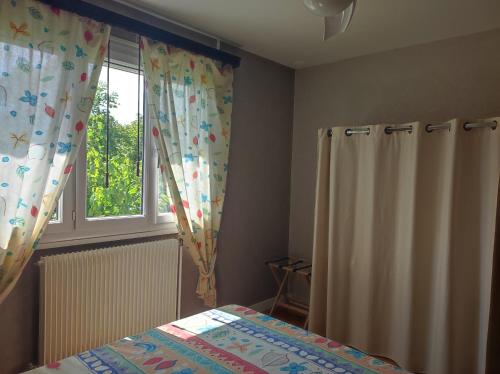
<point x="282" y="269"/>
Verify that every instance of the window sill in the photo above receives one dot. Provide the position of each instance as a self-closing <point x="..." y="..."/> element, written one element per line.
<point x="53" y="240"/>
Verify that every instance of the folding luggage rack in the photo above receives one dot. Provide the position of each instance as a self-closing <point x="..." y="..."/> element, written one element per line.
<point x="282" y="269"/>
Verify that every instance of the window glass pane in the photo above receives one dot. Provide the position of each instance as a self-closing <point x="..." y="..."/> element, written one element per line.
<point x="124" y="196"/>
<point x="164" y="201"/>
<point x="56" y="216"/>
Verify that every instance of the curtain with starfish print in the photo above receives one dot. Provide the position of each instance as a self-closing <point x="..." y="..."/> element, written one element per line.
<point x="50" y="62"/>
<point x="190" y="103"/>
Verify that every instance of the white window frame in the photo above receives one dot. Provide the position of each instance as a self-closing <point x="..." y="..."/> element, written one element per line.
<point x="74" y="228"/>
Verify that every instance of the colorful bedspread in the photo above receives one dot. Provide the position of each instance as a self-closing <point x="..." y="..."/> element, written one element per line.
<point x="231" y="339"/>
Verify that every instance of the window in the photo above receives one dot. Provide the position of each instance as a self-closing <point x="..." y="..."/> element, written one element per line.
<point x="116" y="188"/>
<point x="57" y="215"/>
<point x="164" y="201"/>
<point x="121" y="158"/>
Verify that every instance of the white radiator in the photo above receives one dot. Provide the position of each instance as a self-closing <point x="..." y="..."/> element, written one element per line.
<point x="91" y="298"/>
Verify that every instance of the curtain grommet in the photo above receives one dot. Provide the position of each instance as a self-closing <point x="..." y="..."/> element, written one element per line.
<point x="357" y="131"/>
<point x="468" y="126"/>
<point x="390" y="130"/>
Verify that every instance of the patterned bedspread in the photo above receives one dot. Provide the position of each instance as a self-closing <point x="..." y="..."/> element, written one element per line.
<point x="231" y="339"/>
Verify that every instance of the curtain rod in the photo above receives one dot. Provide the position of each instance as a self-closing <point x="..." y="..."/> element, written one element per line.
<point x="429" y="128"/>
<point x="114" y="19"/>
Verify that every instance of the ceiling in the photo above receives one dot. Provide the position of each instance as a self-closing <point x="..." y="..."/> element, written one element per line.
<point x="285" y="32"/>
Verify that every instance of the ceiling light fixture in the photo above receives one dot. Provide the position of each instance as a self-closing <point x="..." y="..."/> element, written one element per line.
<point x="336" y="13"/>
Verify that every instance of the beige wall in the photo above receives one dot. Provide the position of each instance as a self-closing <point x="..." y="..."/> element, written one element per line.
<point x="458" y="77"/>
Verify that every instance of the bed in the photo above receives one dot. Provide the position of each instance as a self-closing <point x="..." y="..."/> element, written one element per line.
<point x="231" y="339"/>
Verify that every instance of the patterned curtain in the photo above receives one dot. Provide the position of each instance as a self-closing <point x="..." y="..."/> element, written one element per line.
<point x="190" y="102"/>
<point x="50" y="62"/>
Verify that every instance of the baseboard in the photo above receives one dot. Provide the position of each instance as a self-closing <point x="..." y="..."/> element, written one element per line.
<point x="263" y="305"/>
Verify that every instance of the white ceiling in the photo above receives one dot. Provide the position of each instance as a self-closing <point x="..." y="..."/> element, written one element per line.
<point x="285" y="32"/>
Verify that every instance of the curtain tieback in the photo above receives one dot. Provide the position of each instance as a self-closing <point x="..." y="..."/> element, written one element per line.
<point x="207" y="274"/>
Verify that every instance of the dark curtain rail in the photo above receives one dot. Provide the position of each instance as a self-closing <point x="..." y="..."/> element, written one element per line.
<point x="114" y="19"/>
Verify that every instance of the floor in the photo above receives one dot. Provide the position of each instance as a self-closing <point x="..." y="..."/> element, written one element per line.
<point x="289" y="317"/>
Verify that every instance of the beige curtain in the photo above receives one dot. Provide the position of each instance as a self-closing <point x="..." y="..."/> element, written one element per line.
<point x="493" y="353"/>
<point x="403" y="244"/>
